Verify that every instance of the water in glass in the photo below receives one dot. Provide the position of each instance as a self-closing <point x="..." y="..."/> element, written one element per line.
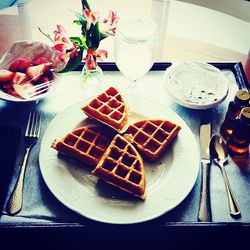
<point x="135" y="45"/>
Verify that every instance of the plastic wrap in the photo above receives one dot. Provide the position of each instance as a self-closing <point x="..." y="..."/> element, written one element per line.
<point x="31" y="50"/>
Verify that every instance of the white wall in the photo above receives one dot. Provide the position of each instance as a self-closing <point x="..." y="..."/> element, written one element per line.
<point x="197" y="23"/>
<point x="237" y="8"/>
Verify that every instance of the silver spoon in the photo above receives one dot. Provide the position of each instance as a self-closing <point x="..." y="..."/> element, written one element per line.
<point x="219" y="154"/>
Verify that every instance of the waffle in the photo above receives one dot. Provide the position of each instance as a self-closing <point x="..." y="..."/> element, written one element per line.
<point x="108" y="108"/>
<point x="122" y="166"/>
<point x="151" y="137"/>
<point x="86" y="144"/>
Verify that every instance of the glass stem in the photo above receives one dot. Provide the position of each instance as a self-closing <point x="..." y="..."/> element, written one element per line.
<point x="133" y="85"/>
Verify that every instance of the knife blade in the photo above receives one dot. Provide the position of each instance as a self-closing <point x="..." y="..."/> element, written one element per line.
<point x="204" y="213"/>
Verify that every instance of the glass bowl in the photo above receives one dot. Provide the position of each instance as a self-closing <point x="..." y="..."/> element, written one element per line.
<point x="28" y="72"/>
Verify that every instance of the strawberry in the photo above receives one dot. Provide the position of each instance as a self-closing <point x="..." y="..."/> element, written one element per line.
<point x="21" y="89"/>
<point x="12" y="92"/>
<point x="49" y="73"/>
<point x="41" y="60"/>
<point x="36" y="72"/>
<point x="20" y="65"/>
<point x="45" y="79"/>
<point x="19" y="78"/>
<point x="6" y="86"/>
<point x="6" y="75"/>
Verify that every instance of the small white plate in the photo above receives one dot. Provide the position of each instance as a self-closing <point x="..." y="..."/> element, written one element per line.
<point x="169" y="180"/>
<point x="196" y="85"/>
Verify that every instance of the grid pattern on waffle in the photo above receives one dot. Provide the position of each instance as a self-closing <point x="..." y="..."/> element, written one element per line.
<point x="108" y="107"/>
<point x="122" y="166"/>
<point x="86" y="144"/>
<point x="152" y="136"/>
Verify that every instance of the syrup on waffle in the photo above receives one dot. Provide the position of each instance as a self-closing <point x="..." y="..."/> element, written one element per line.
<point x="151" y="137"/>
<point x="122" y="166"/>
<point x="86" y="144"/>
<point x="108" y="108"/>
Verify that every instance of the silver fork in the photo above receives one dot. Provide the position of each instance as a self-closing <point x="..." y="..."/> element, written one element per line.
<point x="14" y="204"/>
<point x="38" y="89"/>
<point x="41" y="88"/>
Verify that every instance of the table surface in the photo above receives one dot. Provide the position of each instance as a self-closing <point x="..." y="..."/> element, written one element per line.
<point x="197" y="37"/>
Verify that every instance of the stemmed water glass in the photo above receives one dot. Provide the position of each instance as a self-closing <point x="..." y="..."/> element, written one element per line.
<point x="134" y="50"/>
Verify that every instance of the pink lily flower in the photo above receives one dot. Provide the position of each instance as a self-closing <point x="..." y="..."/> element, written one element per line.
<point x="109" y="24"/>
<point x="92" y="55"/>
<point x="91" y="17"/>
<point x="62" y="44"/>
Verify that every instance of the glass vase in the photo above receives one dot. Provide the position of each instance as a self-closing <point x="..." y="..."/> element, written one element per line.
<point x="92" y="78"/>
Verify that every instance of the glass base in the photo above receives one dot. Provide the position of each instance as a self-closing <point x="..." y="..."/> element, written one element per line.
<point x="92" y="79"/>
<point x="135" y="87"/>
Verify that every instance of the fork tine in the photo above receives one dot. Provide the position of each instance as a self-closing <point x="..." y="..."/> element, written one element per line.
<point x="33" y="124"/>
<point x="38" y="91"/>
<point x="28" y="124"/>
<point x="41" y="91"/>
<point x="33" y="128"/>
<point x="38" y="87"/>
<point x="38" y="125"/>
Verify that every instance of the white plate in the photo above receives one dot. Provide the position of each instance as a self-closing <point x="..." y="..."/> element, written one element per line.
<point x="196" y="85"/>
<point x="169" y="180"/>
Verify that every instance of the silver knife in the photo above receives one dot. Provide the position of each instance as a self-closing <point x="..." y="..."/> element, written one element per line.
<point x="204" y="213"/>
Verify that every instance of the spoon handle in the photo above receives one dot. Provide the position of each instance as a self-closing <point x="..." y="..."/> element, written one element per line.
<point x="233" y="206"/>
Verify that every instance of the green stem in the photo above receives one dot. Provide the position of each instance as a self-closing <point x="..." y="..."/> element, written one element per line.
<point x="87" y="72"/>
<point x="47" y="35"/>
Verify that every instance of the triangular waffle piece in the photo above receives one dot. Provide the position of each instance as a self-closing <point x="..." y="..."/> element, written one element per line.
<point x="122" y="166"/>
<point x="86" y="144"/>
<point x="108" y="108"/>
<point x="151" y="137"/>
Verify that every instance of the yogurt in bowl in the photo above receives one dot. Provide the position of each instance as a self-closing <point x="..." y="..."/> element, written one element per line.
<point x="196" y="85"/>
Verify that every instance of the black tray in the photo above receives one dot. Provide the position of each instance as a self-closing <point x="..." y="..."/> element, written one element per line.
<point x="235" y="67"/>
<point x="177" y="235"/>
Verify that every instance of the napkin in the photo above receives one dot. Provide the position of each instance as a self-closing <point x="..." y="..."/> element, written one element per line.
<point x="9" y="143"/>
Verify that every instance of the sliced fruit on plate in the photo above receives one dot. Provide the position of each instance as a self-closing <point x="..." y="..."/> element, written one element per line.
<point x="41" y="60"/>
<point x="109" y="108"/>
<point x="152" y="137"/>
<point x="122" y="166"/>
<point x="12" y="92"/>
<point x="21" y="89"/>
<point x="46" y="83"/>
<point x="36" y="72"/>
<point x="6" y="86"/>
<point x="45" y="79"/>
<point x="50" y="74"/>
<point x="19" y="78"/>
<point x="6" y="75"/>
<point x="20" y="65"/>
